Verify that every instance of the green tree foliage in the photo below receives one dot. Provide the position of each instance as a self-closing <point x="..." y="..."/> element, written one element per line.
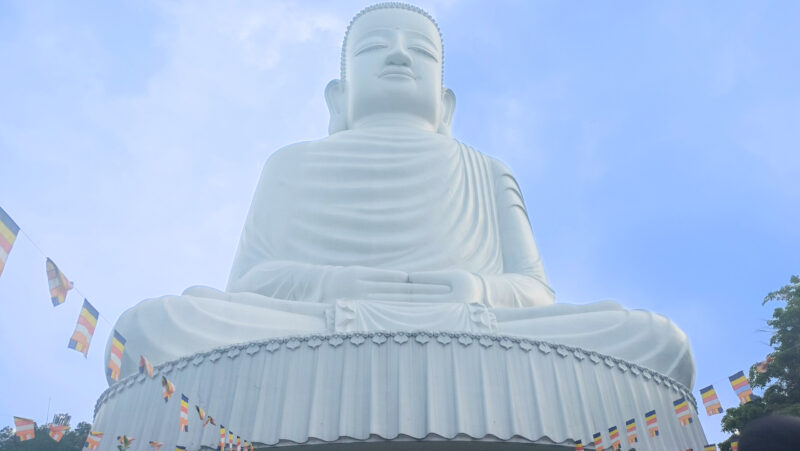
<point x="73" y="440"/>
<point x="781" y="381"/>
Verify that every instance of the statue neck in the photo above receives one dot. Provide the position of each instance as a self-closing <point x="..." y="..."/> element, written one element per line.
<point x="396" y="120"/>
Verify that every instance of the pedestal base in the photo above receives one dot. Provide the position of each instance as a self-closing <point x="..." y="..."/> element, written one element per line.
<point x="426" y="391"/>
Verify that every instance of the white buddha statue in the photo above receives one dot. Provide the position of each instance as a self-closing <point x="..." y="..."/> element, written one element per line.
<point x="390" y="224"/>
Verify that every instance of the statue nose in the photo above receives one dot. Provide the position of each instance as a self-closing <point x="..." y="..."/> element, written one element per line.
<point x="398" y="56"/>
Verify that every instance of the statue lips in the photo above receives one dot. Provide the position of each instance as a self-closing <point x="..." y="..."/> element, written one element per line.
<point x="397" y="73"/>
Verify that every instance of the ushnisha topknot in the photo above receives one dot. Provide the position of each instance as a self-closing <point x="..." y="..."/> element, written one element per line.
<point x="388" y="5"/>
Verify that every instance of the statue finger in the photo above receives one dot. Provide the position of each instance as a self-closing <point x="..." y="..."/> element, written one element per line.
<point x="416" y="298"/>
<point x="403" y="288"/>
<point x="431" y="277"/>
<point x="382" y="275"/>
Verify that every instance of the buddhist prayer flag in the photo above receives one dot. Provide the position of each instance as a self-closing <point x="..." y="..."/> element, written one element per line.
<point x="682" y="411"/>
<point x="57" y="431"/>
<point x="84" y="330"/>
<point x="156" y="445"/>
<point x="741" y="387"/>
<point x="710" y="400"/>
<point x="630" y="431"/>
<point x="735" y="446"/>
<point x="712" y="447"/>
<point x="59" y="285"/>
<point x="578" y="445"/>
<point x="221" y="444"/>
<point x="25" y="428"/>
<point x="184" y="423"/>
<point x="245" y="445"/>
<point x="238" y="443"/>
<point x="93" y="440"/>
<point x="115" y="359"/>
<point x="209" y="419"/>
<point x="598" y="441"/>
<point x="180" y="448"/>
<point x="230" y="438"/>
<point x="200" y="412"/>
<point x="145" y="367"/>
<point x="613" y="436"/>
<point x="8" y="234"/>
<point x="124" y="441"/>
<point x="169" y="389"/>
<point x="652" y="423"/>
<point x="762" y="366"/>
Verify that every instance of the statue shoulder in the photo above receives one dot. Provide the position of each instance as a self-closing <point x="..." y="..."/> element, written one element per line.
<point x="502" y="174"/>
<point x="287" y="156"/>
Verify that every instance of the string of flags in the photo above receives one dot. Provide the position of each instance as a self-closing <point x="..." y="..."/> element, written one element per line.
<point x="59" y="285"/>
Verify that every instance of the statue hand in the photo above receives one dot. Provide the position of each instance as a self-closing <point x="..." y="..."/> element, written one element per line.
<point x="461" y="286"/>
<point x="360" y="282"/>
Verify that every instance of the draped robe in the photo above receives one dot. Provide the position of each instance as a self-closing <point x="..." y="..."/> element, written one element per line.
<point x="410" y="201"/>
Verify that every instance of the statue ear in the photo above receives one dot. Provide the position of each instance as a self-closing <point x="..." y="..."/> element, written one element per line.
<point x="337" y="101"/>
<point x="448" y="108"/>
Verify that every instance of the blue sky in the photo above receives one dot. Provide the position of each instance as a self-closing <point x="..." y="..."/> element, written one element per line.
<point x="656" y="144"/>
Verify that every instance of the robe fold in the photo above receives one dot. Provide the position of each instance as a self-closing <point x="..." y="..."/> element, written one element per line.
<point x="411" y="202"/>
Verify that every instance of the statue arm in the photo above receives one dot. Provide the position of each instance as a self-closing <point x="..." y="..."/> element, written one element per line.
<point x="523" y="283"/>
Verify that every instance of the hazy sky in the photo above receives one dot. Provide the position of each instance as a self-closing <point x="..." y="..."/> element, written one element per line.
<point x="657" y="146"/>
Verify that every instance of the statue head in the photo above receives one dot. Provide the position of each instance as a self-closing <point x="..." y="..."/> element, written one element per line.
<point x="392" y="72"/>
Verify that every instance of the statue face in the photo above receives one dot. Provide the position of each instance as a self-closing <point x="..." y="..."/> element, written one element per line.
<point x="394" y="67"/>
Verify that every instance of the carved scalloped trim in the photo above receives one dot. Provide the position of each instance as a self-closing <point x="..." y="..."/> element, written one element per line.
<point x="400" y="338"/>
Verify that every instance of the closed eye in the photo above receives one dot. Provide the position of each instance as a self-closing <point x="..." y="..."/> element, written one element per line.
<point x="423" y="51"/>
<point x="370" y="47"/>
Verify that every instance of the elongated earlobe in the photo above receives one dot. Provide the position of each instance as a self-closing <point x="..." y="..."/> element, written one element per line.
<point x="448" y="108"/>
<point x="336" y="100"/>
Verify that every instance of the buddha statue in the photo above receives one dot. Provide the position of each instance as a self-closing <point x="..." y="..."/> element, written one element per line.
<point x="390" y="224"/>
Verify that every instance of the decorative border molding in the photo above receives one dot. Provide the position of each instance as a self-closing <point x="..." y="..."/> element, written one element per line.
<point x="422" y="338"/>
